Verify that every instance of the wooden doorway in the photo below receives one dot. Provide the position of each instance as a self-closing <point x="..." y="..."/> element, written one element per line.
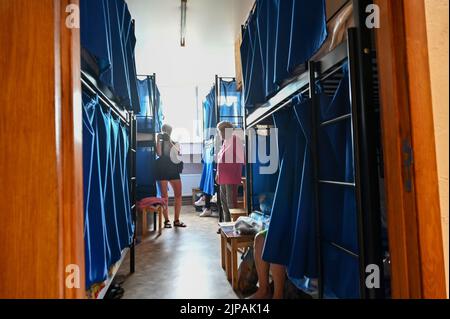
<point x="415" y="234"/>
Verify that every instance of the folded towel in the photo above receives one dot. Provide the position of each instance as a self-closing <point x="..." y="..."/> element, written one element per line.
<point x="152" y="202"/>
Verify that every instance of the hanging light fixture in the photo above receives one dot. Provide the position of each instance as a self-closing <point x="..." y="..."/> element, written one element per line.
<point x="183" y="22"/>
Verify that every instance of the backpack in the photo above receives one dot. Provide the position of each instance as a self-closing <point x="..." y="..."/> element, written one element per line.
<point x="247" y="275"/>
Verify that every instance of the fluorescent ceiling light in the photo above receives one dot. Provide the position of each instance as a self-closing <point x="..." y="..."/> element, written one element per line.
<point x="183" y="22"/>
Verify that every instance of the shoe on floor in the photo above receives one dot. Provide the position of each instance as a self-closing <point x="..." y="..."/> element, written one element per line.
<point x="200" y="202"/>
<point x="206" y="213"/>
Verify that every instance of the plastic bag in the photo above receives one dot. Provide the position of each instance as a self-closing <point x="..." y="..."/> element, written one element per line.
<point x="247" y="226"/>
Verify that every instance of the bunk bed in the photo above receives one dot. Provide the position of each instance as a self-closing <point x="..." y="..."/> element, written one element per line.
<point x="110" y="100"/>
<point x="326" y="217"/>
<point x="223" y="103"/>
<point x="149" y="122"/>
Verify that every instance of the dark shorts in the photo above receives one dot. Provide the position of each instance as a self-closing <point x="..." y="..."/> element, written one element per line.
<point x="166" y="170"/>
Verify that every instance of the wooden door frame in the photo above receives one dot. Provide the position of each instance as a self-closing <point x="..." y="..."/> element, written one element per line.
<point x="69" y="131"/>
<point x="41" y="142"/>
<point x="412" y="194"/>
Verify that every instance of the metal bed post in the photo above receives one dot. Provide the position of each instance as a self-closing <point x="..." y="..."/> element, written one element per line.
<point x="361" y="73"/>
<point x="217" y="112"/>
<point x="151" y="83"/>
<point x="354" y="95"/>
<point x="133" y="184"/>
<point x="315" y="159"/>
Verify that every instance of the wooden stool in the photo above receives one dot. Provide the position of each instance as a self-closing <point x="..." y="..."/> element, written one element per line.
<point x="230" y="245"/>
<point x="156" y="211"/>
<point x="236" y="213"/>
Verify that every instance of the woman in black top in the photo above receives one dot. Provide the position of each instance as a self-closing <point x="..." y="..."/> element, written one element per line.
<point x="168" y="169"/>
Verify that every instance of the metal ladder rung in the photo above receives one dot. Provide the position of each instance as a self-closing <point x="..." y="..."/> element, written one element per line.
<point x="336" y="120"/>
<point x="337" y="183"/>
<point x="345" y="250"/>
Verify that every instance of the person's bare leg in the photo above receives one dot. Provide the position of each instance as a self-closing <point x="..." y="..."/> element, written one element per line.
<point x="177" y="190"/>
<point x="262" y="268"/>
<point x="279" y="278"/>
<point x="165" y="195"/>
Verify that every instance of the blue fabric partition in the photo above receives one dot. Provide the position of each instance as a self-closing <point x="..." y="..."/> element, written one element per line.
<point x="291" y="239"/>
<point x="159" y="111"/>
<point x="145" y="97"/>
<point x="280" y="36"/>
<point x="108" y="224"/>
<point x="95" y="35"/>
<point x="254" y="90"/>
<point x="148" y="98"/>
<point x="145" y="172"/>
<point x="267" y="27"/>
<point x="207" y="179"/>
<point x="283" y="39"/>
<point x="308" y="31"/>
<point x="108" y="34"/>
<point x="338" y="203"/>
<point x="145" y="116"/>
<point x="209" y="115"/>
<point x="261" y="183"/>
<point x="120" y="74"/>
<point x="230" y="103"/>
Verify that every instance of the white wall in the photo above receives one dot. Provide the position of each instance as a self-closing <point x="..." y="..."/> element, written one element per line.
<point x="437" y="29"/>
<point x="211" y="29"/>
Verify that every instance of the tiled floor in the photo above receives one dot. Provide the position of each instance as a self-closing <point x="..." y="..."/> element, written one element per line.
<point x="180" y="264"/>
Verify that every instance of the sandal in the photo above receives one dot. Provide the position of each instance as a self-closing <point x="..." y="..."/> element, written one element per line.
<point x="177" y="223"/>
<point x="167" y="224"/>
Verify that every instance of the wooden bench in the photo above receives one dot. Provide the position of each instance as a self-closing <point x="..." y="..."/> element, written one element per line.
<point x="231" y="243"/>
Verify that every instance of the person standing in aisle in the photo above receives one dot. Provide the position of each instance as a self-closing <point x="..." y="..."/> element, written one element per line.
<point x="168" y="170"/>
<point x="230" y="161"/>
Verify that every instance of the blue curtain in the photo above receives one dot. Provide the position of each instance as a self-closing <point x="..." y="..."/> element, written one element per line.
<point x="207" y="179"/>
<point x="209" y="115"/>
<point x="308" y="31"/>
<point x="291" y="237"/>
<point x="145" y="116"/>
<point x="159" y="111"/>
<point x="96" y="35"/>
<point x="145" y="172"/>
<point x="261" y="183"/>
<point x="253" y="70"/>
<point x="108" y="224"/>
<point x="230" y="104"/>
<point x="145" y="97"/>
<point x="267" y="27"/>
<point x="338" y="203"/>
<point x="108" y="34"/>
<point x="280" y="36"/>
<point x="148" y="98"/>
<point x="283" y="39"/>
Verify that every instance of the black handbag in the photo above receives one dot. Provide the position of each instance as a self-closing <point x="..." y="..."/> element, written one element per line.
<point x="180" y="166"/>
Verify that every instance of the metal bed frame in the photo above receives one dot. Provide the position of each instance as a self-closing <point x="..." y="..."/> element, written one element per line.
<point x="359" y="53"/>
<point x="129" y="119"/>
<point x="219" y="118"/>
<point x="152" y="87"/>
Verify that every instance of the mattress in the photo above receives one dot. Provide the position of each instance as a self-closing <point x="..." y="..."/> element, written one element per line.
<point x="337" y="30"/>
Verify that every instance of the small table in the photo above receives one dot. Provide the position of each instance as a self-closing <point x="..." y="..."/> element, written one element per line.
<point x="231" y="242"/>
